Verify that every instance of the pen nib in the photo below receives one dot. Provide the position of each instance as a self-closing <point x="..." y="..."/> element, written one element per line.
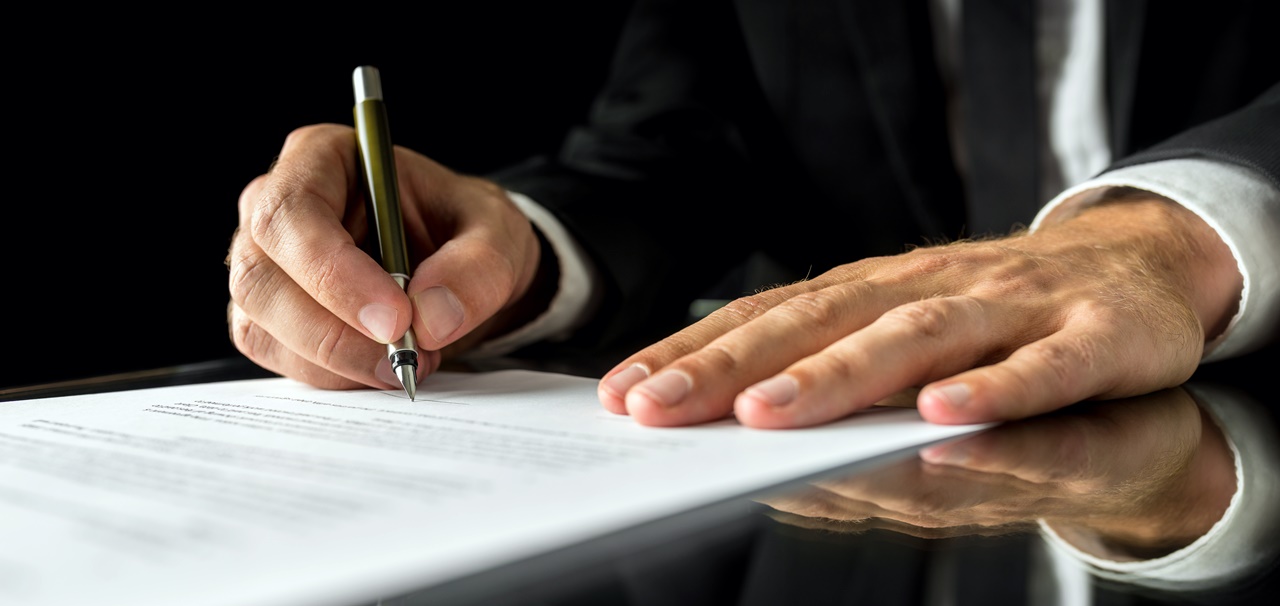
<point x="408" y="379"/>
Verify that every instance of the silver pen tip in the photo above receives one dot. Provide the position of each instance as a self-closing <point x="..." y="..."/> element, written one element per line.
<point x="408" y="379"/>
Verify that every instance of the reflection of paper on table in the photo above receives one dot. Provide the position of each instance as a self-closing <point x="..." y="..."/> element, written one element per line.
<point x="272" y="492"/>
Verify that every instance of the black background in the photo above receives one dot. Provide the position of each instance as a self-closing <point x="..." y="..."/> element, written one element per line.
<point x="131" y="136"/>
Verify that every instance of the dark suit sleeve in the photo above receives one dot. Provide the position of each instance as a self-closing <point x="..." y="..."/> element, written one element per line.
<point x="648" y="185"/>
<point x="1249" y="137"/>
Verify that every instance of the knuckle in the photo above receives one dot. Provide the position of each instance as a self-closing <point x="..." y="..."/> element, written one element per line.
<point x="818" y="309"/>
<point x="298" y="134"/>
<point x="302" y="133"/>
<point x="264" y="226"/>
<point x="270" y="221"/>
<point x="251" y="192"/>
<point x="1006" y="389"/>
<point x="922" y="319"/>
<point x="248" y="199"/>
<point x="248" y="272"/>
<point x="718" y="360"/>
<point x="960" y="259"/>
<point x="1007" y="272"/>
<point x="671" y="348"/>
<point x="1066" y="361"/>
<point x="323" y="274"/>
<point x="744" y="309"/>
<point x="848" y="273"/>
<point x="830" y="367"/>
<point x="931" y="261"/>
<point x="250" y="339"/>
<point x="330" y="344"/>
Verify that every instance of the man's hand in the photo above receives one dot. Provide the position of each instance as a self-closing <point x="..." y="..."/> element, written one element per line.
<point x="308" y="302"/>
<point x="1116" y="300"/>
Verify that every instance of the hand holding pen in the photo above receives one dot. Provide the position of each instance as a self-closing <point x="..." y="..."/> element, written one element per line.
<point x="308" y="302"/>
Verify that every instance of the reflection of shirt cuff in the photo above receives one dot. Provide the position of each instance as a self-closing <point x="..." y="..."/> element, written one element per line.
<point x="1243" y="208"/>
<point x="1244" y="539"/>
<point x="569" y="306"/>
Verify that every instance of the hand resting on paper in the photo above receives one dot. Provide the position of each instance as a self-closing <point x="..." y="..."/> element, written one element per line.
<point x="993" y="330"/>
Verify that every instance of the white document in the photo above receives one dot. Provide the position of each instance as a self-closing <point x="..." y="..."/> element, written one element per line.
<point x="270" y="492"/>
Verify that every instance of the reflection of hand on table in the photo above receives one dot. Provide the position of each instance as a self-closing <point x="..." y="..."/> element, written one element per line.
<point x="1145" y="476"/>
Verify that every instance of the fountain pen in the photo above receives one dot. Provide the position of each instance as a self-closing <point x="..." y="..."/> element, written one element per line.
<point x="382" y="196"/>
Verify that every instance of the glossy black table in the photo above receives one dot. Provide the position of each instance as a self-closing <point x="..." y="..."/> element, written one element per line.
<point x="1142" y="477"/>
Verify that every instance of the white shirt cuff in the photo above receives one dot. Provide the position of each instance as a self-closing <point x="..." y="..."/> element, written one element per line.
<point x="1243" y="208"/>
<point x="569" y="306"/>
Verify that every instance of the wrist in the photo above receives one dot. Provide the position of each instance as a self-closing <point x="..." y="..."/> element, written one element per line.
<point x="1159" y="238"/>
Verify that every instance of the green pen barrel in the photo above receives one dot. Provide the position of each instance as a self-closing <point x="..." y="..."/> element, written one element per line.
<point x="378" y="165"/>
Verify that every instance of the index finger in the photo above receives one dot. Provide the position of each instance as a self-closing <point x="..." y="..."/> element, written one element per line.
<point x="297" y="221"/>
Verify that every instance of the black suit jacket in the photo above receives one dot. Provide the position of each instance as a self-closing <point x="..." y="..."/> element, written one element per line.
<point x="815" y="133"/>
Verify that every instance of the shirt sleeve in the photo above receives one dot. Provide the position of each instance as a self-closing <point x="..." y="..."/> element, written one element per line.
<point x="1242" y="207"/>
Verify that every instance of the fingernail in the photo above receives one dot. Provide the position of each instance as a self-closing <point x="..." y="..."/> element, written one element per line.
<point x="379" y="320"/>
<point x="954" y="395"/>
<point x="776" y="392"/>
<point x="619" y="384"/>
<point x="667" y="388"/>
<point x="440" y="311"/>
